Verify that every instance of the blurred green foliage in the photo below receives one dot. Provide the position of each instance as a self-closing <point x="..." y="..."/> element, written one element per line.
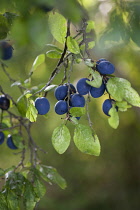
<point x="112" y="180"/>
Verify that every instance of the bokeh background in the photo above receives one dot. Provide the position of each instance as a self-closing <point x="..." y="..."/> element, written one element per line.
<point x="112" y="180"/>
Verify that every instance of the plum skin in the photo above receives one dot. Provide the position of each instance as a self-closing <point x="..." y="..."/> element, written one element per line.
<point x="83" y="88"/>
<point x="61" y="92"/>
<point x="107" y="105"/>
<point x="42" y="105"/>
<point x="105" y="67"/>
<point x="6" y="50"/>
<point x="2" y="136"/>
<point x="61" y="107"/>
<point x="97" y="92"/>
<point x="4" y="102"/>
<point x="77" y="100"/>
<point x="10" y="142"/>
<point x="100" y="60"/>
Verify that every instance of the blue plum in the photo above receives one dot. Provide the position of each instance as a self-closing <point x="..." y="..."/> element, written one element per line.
<point x="1" y="137"/>
<point x="61" y="92"/>
<point x="6" y="50"/>
<point x="42" y="105"/>
<point x="77" y="100"/>
<point x="4" y="102"/>
<point x="107" y="105"/>
<point x="82" y="87"/>
<point x="105" y="67"/>
<point x="61" y="107"/>
<point x="10" y="142"/>
<point x="97" y="92"/>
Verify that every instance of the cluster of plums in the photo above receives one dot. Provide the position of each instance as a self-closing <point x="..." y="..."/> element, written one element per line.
<point x="68" y="97"/>
<point x="4" y="105"/>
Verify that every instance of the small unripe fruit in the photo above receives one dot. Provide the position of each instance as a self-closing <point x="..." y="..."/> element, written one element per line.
<point x="105" y="67"/>
<point x="4" y="102"/>
<point x="107" y="105"/>
<point x="77" y="100"/>
<point x="42" y="105"/>
<point x="10" y="142"/>
<point x="61" y="107"/>
<point x="61" y="92"/>
<point x="82" y="87"/>
<point x="97" y="92"/>
<point x="1" y="137"/>
<point x="6" y="50"/>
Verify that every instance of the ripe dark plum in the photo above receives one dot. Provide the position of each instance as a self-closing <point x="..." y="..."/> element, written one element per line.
<point x="72" y="89"/>
<point x="61" y="107"/>
<point x="4" y="102"/>
<point x="42" y="105"/>
<point x="1" y="137"/>
<point x="6" y="50"/>
<point x="105" y="67"/>
<point x="77" y="100"/>
<point x="10" y="142"/>
<point x="61" y="92"/>
<point x="97" y="92"/>
<point x="107" y="105"/>
<point x="82" y="87"/>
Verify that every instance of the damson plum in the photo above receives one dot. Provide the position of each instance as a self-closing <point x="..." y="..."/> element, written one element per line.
<point x="61" y="92"/>
<point x="61" y="107"/>
<point x="77" y="100"/>
<point x="107" y="105"/>
<point x="42" y="105"/>
<point x="82" y="87"/>
<point x="105" y="67"/>
<point x="1" y="137"/>
<point x="97" y="92"/>
<point x="4" y="102"/>
<point x="6" y="50"/>
<point x="10" y="142"/>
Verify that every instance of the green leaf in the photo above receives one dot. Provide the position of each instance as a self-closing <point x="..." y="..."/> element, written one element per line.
<point x="73" y="45"/>
<point x="97" y="79"/>
<point x="120" y="89"/>
<point x="61" y="138"/>
<point x="3" y="202"/>
<point x="122" y="105"/>
<point x="89" y="62"/>
<point x="43" y="173"/>
<point x="90" y="26"/>
<point x="39" y="188"/>
<point x="18" y="141"/>
<point x="32" y="112"/>
<point x="50" y="87"/>
<point x="38" y="61"/>
<point x="132" y="97"/>
<point x="12" y="200"/>
<point x="91" y="44"/>
<point x="85" y="141"/>
<point x="29" y="196"/>
<point x="2" y="172"/>
<point x="22" y="106"/>
<point x="54" y="176"/>
<point x="113" y="120"/>
<point x="53" y="54"/>
<point x="77" y="111"/>
<point x="57" y="24"/>
<point x="55" y="48"/>
<point x="4" y="27"/>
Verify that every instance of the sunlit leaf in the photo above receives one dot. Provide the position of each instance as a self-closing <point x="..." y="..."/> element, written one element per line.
<point x="32" y="112"/>
<point x="73" y="45"/>
<point x="89" y="62"/>
<point x="50" y="87"/>
<point x="57" y="24"/>
<point x="77" y="111"/>
<point x="114" y="117"/>
<point x="38" y="61"/>
<point x="53" y="54"/>
<point x="61" y="138"/>
<point x="90" y="26"/>
<point x="97" y="79"/>
<point x="85" y="141"/>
